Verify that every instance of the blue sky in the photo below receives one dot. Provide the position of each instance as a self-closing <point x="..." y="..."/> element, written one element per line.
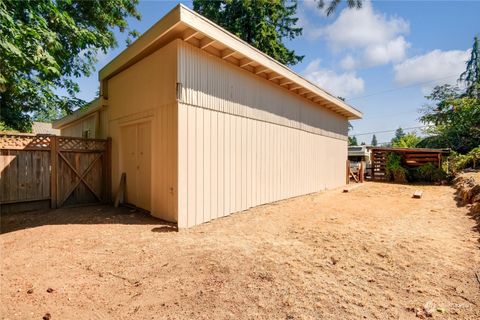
<point x="383" y="58"/>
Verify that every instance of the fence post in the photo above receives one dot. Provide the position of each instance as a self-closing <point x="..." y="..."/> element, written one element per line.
<point x="363" y="166"/>
<point x="53" y="171"/>
<point x="348" y="172"/>
<point x="108" y="170"/>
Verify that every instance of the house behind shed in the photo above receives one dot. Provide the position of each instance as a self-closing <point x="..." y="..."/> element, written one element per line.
<point x="205" y="125"/>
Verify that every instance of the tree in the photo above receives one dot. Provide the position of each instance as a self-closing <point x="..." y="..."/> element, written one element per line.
<point x="471" y="76"/>
<point x="363" y="143"/>
<point x="399" y="134"/>
<point x="409" y="140"/>
<point x="45" y="44"/>
<point x="453" y="121"/>
<point x="333" y="4"/>
<point x="374" y="141"/>
<point x="48" y="114"/>
<point x="262" y="23"/>
<point x="352" y="141"/>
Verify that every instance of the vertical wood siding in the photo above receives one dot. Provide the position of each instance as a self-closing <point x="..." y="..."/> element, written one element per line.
<point x="146" y="92"/>
<point x="97" y="127"/>
<point x="243" y="141"/>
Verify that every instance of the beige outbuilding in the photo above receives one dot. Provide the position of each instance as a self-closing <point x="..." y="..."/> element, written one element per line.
<point x="205" y="125"/>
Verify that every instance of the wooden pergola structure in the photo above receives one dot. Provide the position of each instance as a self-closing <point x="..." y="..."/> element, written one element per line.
<point x="411" y="158"/>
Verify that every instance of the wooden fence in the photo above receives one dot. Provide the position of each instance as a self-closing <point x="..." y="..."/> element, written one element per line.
<point x="58" y="170"/>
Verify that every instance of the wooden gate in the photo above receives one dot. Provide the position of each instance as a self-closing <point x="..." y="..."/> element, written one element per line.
<point x="63" y="170"/>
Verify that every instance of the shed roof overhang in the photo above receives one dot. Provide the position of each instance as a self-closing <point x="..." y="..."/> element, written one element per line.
<point x="410" y="150"/>
<point x="91" y="107"/>
<point x="187" y="25"/>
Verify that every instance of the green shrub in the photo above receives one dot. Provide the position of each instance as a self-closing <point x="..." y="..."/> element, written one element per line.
<point x="429" y="173"/>
<point x="469" y="160"/>
<point x="394" y="169"/>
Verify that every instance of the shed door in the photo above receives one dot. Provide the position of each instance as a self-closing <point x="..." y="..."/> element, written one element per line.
<point x="136" y="163"/>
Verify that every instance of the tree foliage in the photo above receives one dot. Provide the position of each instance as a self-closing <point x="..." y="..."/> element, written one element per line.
<point x="452" y="122"/>
<point x="44" y="44"/>
<point x="352" y="141"/>
<point x="399" y="134"/>
<point x="374" y="141"/>
<point x="409" y="140"/>
<point x="262" y="23"/>
<point x="331" y="6"/>
<point x="471" y="76"/>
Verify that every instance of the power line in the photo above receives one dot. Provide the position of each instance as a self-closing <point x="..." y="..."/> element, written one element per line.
<point x="400" y="88"/>
<point x="385" y="131"/>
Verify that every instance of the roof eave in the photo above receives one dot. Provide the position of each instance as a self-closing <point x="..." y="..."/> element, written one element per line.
<point x="93" y="106"/>
<point x="181" y="15"/>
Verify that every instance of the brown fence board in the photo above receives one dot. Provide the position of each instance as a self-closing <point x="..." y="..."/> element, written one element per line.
<point x="66" y="170"/>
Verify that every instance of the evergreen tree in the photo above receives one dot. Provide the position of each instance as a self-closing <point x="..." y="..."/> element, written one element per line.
<point x="471" y="76"/>
<point x="399" y="134"/>
<point x="374" y="141"/>
<point x="352" y="141"/>
<point x="333" y="4"/>
<point x="264" y="24"/>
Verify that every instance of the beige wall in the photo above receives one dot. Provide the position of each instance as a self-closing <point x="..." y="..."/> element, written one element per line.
<point x="95" y="123"/>
<point x="146" y="92"/>
<point x="244" y="141"/>
<point x="232" y="140"/>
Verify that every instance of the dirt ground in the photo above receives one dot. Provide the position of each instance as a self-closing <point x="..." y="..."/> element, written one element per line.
<point x="372" y="253"/>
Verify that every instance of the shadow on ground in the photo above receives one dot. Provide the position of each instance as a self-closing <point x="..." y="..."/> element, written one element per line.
<point x="82" y="215"/>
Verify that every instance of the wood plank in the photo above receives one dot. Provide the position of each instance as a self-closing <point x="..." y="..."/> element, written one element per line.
<point x="22" y="174"/>
<point x="107" y="171"/>
<point x="348" y="172"/>
<point x="3" y="174"/>
<point x="45" y="169"/>
<point x="53" y="172"/>
<point x="417" y="194"/>
<point x="30" y="182"/>
<point x="120" y="197"/>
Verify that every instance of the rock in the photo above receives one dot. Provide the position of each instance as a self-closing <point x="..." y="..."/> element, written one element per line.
<point x="382" y="254"/>
<point x="47" y="316"/>
<point x="49" y="290"/>
<point x="30" y="291"/>
<point x="429" y="309"/>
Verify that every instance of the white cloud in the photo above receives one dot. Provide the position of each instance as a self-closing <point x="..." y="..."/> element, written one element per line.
<point x="392" y="51"/>
<point x="348" y="62"/>
<point x="339" y="84"/>
<point x="437" y="67"/>
<point x="364" y="27"/>
<point x="370" y="37"/>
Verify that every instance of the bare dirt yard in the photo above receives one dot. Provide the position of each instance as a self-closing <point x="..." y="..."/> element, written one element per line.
<point x="372" y="253"/>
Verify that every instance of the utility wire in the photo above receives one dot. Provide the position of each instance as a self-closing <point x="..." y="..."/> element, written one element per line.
<point x="384" y="131"/>
<point x="400" y="88"/>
